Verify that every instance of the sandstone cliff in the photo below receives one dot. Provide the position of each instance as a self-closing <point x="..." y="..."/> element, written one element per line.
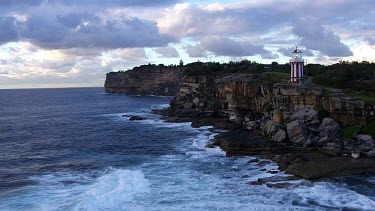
<point x="145" y="80"/>
<point x="237" y="94"/>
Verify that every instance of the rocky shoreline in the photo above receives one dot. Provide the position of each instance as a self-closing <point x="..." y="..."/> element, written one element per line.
<point x="306" y="159"/>
<point x="299" y="127"/>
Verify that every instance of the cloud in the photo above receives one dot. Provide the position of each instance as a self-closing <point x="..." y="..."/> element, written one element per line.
<point x="168" y="52"/>
<point x="82" y="31"/>
<point x="315" y="37"/>
<point x="195" y="51"/>
<point x="222" y="46"/>
<point x="8" y="31"/>
<point x="14" y="4"/>
<point x="130" y="54"/>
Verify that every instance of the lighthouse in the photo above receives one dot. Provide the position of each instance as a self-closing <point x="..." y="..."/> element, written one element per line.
<point x="296" y="68"/>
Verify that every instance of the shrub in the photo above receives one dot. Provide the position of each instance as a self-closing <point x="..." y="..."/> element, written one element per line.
<point x="349" y="132"/>
<point x="267" y="108"/>
<point x="369" y="129"/>
<point x="322" y="114"/>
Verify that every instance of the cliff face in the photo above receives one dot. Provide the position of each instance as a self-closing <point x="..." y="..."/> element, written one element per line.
<point x="154" y="80"/>
<point x="238" y="94"/>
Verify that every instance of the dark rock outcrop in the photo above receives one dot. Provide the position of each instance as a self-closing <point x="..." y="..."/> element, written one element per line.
<point x="145" y="80"/>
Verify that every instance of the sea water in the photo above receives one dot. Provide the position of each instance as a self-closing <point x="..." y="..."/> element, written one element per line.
<point x="75" y="149"/>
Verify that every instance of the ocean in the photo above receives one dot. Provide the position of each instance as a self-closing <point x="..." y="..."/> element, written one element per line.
<point x="75" y="149"/>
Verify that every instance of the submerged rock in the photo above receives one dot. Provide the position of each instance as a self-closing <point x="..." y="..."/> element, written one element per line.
<point x="136" y="118"/>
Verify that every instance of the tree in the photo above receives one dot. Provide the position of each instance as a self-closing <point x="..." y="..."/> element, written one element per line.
<point x="181" y="63"/>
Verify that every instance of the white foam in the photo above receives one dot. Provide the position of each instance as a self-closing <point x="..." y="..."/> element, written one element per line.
<point x="116" y="189"/>
<point x="330" y="195"/>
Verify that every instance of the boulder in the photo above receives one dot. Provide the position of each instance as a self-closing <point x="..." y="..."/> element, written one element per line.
<point x="333" y="149"/>
<point x="296" y="132"/>
<point x="280" y="136"/>
<point x="304" y="115"/>
<point x="328" y="131"/>
<point x="371" y="153"/>
<point x="187" y="105"/>
<point x="278" y="117"/>
<point x="196" y="101"/>
<point x="235" y="117"/>
<point x="355" y="154"/>
<point x="251" y="125"/>
<point x="366" y="139"/>
<point x="364" y="143"/>
<point x="271" y="128"/>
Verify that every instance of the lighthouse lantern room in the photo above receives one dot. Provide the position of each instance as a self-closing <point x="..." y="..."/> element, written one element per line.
<point x="296" y="68"/>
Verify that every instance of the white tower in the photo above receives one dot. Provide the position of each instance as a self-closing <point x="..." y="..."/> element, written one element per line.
<point x="296" y="68"/>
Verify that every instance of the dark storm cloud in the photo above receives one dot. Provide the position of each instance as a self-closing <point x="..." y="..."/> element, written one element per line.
<point x="168" y="52"/>
<point x="80" y="30"/>
<point x="195" y="51"/>
<point x="8" y="31"/>
<point x="288" y="51"/>
<point x="315" y="37"/>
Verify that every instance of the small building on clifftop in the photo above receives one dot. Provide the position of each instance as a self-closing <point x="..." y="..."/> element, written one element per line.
<point x="296" y="68"/>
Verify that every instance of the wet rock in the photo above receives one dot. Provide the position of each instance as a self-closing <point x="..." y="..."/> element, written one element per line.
<point x="326" y="166"/>
<point x="136" y="118"/>
<point x="333" y="149"/>
<point x="280" y="136"/>
<point x="251" y="125"/>
<point x="273" y="171"/>
<point x="255" y="183"/>
<point x="277" y="158"/>
<point x="278" y="179"/>
<point x="235" y="117"/>
<point x="264" y="162"/>
<point x="255" y="160"/>
<point x="280" y="185"/>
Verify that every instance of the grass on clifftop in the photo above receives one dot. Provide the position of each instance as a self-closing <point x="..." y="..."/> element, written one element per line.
<point x="367" y="96"/>
<point x="276" y="77"/>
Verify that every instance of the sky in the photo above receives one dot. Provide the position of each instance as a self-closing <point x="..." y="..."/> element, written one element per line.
<point x="74" y="43"/>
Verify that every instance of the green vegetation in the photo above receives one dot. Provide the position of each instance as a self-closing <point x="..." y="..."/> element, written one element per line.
<point x="368" y="96"/>
<point x="267" y="108"/>
<point x="322" y="114"/>
<point x="350" y="132"/>
<point x="369" y="129"/>
<point x="215" y="68"/>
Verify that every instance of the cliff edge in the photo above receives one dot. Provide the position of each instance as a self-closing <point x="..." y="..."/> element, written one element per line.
<point x="145" y="80"/>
